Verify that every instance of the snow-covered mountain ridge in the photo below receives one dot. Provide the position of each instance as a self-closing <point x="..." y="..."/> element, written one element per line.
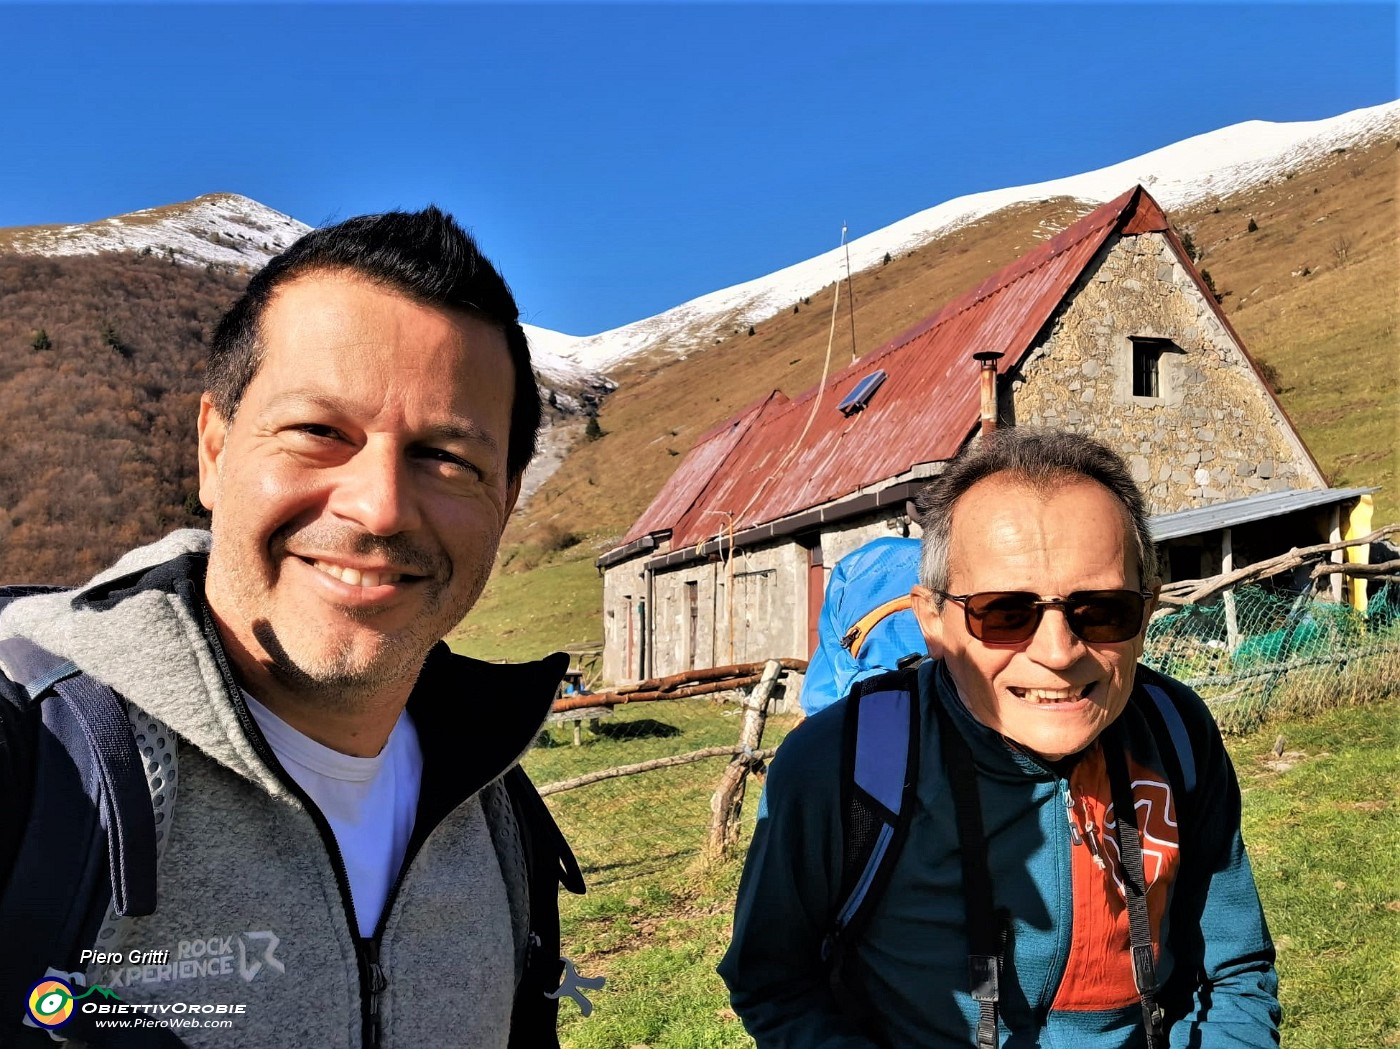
<point x="1215" y="164"/>
<point x="233" y="231"/>
<point x="220" y="228"/>
<point x="236" y="232"/>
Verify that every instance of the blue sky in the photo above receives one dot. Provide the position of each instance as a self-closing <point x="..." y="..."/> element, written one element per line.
<point x="617" y="160"/>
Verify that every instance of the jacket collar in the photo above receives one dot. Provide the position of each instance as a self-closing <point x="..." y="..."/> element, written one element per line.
<point x="475" y="721"/>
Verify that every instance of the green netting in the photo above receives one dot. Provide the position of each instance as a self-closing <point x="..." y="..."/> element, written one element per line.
<point x="1253" y="648"/>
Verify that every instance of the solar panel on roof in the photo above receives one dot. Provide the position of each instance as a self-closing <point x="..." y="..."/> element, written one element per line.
<point x="861" y="393"/>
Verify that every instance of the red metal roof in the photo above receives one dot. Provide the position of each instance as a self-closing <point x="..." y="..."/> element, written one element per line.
<point x="778" y="458"/>
<point x="711" y="447"/>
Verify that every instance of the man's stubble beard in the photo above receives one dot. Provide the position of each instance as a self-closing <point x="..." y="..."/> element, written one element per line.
<point x="340" y="679"/>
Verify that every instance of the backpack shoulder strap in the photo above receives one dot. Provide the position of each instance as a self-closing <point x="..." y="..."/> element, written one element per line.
<point x="987" y="928"/>
<point x="90" y="824"/>
<point x="542" y="833"/>
<point x="879" y="773"/>
<point x="15" y="591"/>
<point x="1167" y="724"/>
<point x="549" y="863"/>
<point x="1134" y="886"/>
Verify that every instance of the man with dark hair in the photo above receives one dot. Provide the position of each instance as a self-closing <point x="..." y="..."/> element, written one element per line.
<point x="1033" y="840"/>
<point x="427" y="258"/>
<point x="344" y="838"/>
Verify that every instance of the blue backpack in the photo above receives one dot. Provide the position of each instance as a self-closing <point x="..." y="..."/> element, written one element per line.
<point x="867" y="625"/>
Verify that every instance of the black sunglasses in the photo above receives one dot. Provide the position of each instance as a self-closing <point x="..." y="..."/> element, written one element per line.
<point x="1009" y="617"/>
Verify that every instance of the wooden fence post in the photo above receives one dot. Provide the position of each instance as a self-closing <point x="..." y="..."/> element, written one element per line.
<point x="728" y="799"/>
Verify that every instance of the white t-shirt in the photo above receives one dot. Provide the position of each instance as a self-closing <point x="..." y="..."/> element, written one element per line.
<point x="370" y="803"/>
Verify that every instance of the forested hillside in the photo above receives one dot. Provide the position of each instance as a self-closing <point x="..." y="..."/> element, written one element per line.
<point x="101" y="365"/>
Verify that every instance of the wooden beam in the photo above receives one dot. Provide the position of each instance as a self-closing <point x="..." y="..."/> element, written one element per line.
<point x="1190" y="591"/>
<point x="650" y="766"/>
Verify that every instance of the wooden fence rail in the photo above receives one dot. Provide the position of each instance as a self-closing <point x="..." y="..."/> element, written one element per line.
<point x="679" y="686"/>
<point x="651" y="766"/>
<point x="745" y="756"/>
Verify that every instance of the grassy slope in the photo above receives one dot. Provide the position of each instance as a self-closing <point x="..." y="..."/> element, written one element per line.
<point x="1331" y="335"/>
<point x="1321" y="827"/>
<point x="527" y="615"/>
<point x="656" y="918"/>
<point x="1324" y="840"/>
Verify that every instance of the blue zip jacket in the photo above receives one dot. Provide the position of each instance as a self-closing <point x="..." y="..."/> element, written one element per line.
<point x="1067" y="980"/>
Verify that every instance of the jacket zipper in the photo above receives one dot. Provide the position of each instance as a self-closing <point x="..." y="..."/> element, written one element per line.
<point x="372" y="979"/>
<point x="376" y="982"/>
<point x="1063" y="941"/>
<point x="1091" y="837"/>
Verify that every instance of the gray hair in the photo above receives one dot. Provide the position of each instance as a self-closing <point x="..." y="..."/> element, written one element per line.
<point x="1038" y="458"/>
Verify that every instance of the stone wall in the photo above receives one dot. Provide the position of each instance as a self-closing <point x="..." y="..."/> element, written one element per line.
<point x="1212" y="434"/>
<point x="838" y="540"/>
<point x="623" y="586"/>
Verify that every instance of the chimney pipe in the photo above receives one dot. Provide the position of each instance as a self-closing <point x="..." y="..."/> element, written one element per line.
<point x="987" y="360"/>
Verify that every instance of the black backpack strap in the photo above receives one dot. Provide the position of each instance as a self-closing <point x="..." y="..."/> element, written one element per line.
<point x="549" y="863"/>
<point x="879" y="774"/>
<point x="986" y="930"/>
<point x="1134" y="886"/>
<point x="91" y="828"/>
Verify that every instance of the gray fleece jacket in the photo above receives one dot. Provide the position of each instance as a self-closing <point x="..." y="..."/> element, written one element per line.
<point x="253" y="902"/>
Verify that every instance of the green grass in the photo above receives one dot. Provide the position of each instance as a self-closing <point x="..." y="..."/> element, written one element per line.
<point x="657" y="915"/>
<point x="527" y="615"/>
<point x="641" y="836"/>
<point x="1325" y="843"/>
<point x="1321" y="826"/>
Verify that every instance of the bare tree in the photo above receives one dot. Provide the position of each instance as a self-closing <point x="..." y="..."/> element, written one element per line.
<point x="1341" y="248"/>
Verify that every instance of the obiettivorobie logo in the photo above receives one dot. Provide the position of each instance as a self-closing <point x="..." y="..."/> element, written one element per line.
<point x="52" y="1002"/>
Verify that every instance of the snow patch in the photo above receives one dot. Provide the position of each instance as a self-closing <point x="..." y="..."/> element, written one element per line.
<point x="224" y="229"/>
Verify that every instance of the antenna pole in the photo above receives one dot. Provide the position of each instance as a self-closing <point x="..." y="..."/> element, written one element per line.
<point x="850" y="290"/>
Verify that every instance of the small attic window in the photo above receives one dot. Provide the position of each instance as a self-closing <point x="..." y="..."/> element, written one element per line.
<point x="1147" y="357"/>
<point x="861" y="393"/>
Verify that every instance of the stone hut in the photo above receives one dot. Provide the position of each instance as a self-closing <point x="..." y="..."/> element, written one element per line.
<point x="1108" y="329"/>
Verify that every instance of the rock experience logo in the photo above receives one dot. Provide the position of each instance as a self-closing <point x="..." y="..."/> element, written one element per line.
<point x="51" y="1001"/>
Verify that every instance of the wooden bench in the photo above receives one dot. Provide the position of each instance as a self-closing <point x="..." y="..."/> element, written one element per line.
<point x="590" y="714"/>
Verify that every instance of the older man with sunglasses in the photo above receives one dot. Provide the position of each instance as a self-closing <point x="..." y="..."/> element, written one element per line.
<point x="1006" y="903"/>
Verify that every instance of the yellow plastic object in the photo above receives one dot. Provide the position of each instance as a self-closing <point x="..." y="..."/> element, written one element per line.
<point x="1359" y="524"/>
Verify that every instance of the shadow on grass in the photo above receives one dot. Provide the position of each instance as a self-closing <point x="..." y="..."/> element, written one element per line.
<point x="652" y="863"/>
<point x="642" y="728"/>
